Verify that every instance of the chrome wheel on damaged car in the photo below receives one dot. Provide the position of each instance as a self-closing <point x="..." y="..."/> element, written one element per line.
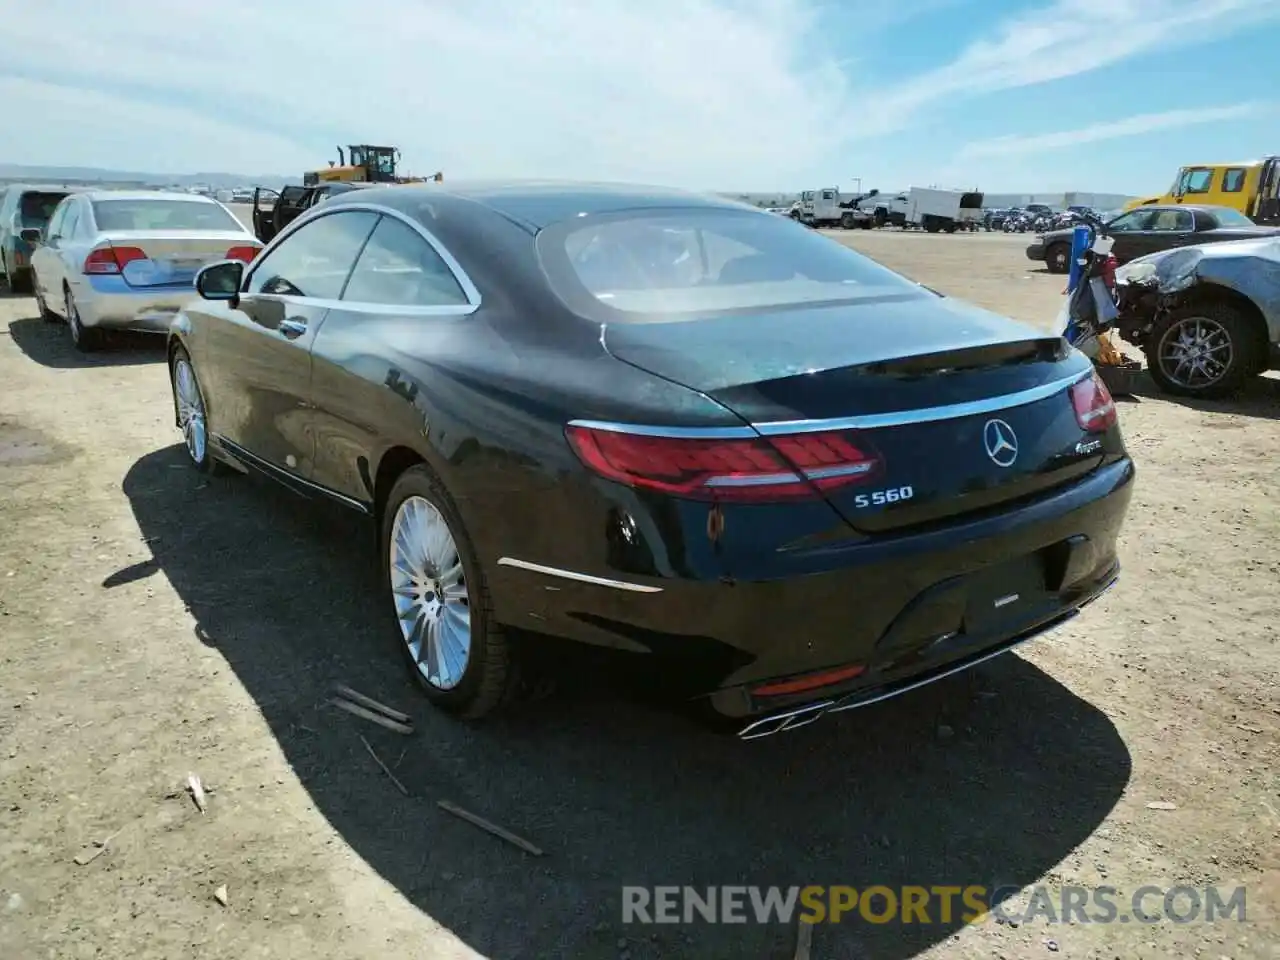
<point x="1202" y="351"/>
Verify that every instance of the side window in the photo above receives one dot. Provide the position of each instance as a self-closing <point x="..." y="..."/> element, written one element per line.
<point x="1198" y="181"/>
<point x="314" y="260"/>
<point x="1233" y="180"/>
<point x="828" y="195"/>
<point x="399" y="268"/>
<point x="70" y="220"/>
<point x="1135" y="220"/>
<point x="1171" y="221"/>
<point x="54" y="228"/>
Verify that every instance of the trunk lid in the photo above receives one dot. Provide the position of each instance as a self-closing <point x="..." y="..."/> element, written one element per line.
<point x="962" y="409"/>
<point x="173" y="259"/>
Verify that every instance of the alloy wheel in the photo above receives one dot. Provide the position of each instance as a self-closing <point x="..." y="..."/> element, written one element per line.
<point x="1195" y="352"/>
<point x="191" y="418"/>
<point x="428" y="585"/>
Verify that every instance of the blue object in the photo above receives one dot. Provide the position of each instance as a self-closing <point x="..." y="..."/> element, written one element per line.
<point x="1079" y="243"/>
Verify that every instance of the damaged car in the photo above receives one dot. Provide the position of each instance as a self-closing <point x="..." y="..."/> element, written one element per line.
<point x="1207" y="317"/>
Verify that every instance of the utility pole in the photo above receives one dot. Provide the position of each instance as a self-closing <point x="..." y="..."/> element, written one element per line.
<point x="858" y="181"/>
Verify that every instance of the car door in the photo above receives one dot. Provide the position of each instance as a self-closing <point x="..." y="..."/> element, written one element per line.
<point x="255" y="357"/>
<point x="402" y="310"/>
<point x="1168" y="228"/>
<point x="46" y="263"/>
<point x="71" y="247"/>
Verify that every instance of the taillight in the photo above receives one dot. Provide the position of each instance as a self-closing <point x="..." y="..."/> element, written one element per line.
<point x="245" y="253"/>
<point x="112" y="259"/>
<point x="1095" y="410"/>
<point x="755" y="470"/>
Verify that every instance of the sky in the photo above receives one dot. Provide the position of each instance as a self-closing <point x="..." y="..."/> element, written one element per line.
<point x="742" y="95"/>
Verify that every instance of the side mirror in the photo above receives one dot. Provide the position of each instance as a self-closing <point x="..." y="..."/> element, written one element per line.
<point x="32" y="235"/>
<point x="221" y="281"/>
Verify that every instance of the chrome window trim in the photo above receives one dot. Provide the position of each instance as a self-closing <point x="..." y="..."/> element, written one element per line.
<point x="327" y="209"/>
<point x="870" y="421"/>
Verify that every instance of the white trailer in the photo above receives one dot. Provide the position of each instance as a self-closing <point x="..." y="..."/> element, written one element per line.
<point x="939" y="210"/>
<point x="826" y="207"/>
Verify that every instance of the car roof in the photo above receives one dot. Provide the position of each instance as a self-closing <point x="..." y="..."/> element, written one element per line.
<point x="540" y="203"/>
<point x="45" y="188"/>
<point x="1201" y="207"/>
<point x="96" y="195"/>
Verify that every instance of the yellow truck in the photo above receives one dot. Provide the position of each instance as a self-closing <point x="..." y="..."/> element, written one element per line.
<point x="364" y="163"/>
<point x="1252" y="187"/>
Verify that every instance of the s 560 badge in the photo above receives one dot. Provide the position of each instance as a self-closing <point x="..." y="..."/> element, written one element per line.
<point x="880" y="498"/>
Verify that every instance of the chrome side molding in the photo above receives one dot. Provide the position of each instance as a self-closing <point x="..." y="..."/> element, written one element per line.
<point x="576" y="576"/>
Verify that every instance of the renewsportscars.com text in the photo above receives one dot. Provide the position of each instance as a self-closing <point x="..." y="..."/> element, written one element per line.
<point x="930" y="905"/>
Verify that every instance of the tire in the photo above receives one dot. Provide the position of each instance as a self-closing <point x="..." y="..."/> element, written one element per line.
<point x="47" y="315"/>
<point x="487" y="679"/>
<point x="847" y="221"/>
<point x="85" y="339"/>
<point x="1057" y="258"/>
<point x="882" y="217"/>
<point x="19" y="280"/>
<point x="1222" y="328"/>
<point x="188" y="404"/>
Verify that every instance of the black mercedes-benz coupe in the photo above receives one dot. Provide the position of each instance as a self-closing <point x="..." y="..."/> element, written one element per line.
<point x="662" y="423"/>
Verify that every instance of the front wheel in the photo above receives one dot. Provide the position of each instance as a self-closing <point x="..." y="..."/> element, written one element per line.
<point x="440" y="601"/>
<point x="1058" y="258"/>
<point x="190" y="410"/>
<point x="1204" y="351"/>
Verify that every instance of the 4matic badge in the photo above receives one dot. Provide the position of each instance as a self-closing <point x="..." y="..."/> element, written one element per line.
<point x="1085" y="447"/>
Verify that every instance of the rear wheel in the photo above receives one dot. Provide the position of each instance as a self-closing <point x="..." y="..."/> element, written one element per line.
<point x="1203" y="350"/>
<point x="85" y="339"/>
<point x="440" y="600"/>
<point x="1058" y="258"/>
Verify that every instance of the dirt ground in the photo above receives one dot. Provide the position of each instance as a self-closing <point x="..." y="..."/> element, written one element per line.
<point x="154" y="623"/>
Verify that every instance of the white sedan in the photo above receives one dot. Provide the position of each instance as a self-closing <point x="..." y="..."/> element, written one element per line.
<point x="128" y="259"/>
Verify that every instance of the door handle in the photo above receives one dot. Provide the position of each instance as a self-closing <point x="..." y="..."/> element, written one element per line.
<point x="292" y="329"/>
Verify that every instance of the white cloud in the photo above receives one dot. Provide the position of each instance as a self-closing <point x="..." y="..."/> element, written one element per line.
<point x="696" y="92"/>
<point x="1072" y="37"/>
<point x="703" y="93"/>
<point x="1015" y="145"/>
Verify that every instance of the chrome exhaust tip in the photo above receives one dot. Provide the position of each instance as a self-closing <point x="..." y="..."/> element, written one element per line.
<point x="791" y="720"/>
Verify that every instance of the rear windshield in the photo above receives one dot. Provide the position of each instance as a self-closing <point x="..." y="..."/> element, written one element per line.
<point x="658" y="264"/>
<point x="1232" y="218"/>
<point x="178" y="215"/>
<point x="35" y="208"/>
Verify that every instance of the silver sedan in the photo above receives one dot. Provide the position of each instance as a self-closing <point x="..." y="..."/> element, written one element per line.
<point x="128" y="260"/>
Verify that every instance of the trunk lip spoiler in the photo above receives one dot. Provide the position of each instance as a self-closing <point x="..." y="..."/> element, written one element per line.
<point x="871" y="421"/>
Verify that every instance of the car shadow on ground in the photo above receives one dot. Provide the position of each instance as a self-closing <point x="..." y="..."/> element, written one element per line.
<point x="1259" y="397"/>
<point x="991" y="778"/>
<point x="49" y="344"/>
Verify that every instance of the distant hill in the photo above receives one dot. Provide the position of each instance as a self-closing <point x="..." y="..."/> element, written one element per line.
<point x="14" y="172"/>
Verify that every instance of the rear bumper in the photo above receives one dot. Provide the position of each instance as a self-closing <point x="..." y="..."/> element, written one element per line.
<point x="108" y="301"/>
<point x="1035" y="251"/>
<point x="901" y="607"/>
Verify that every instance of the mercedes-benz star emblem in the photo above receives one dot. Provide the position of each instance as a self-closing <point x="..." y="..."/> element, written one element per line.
<point x="1001" y="443"/>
